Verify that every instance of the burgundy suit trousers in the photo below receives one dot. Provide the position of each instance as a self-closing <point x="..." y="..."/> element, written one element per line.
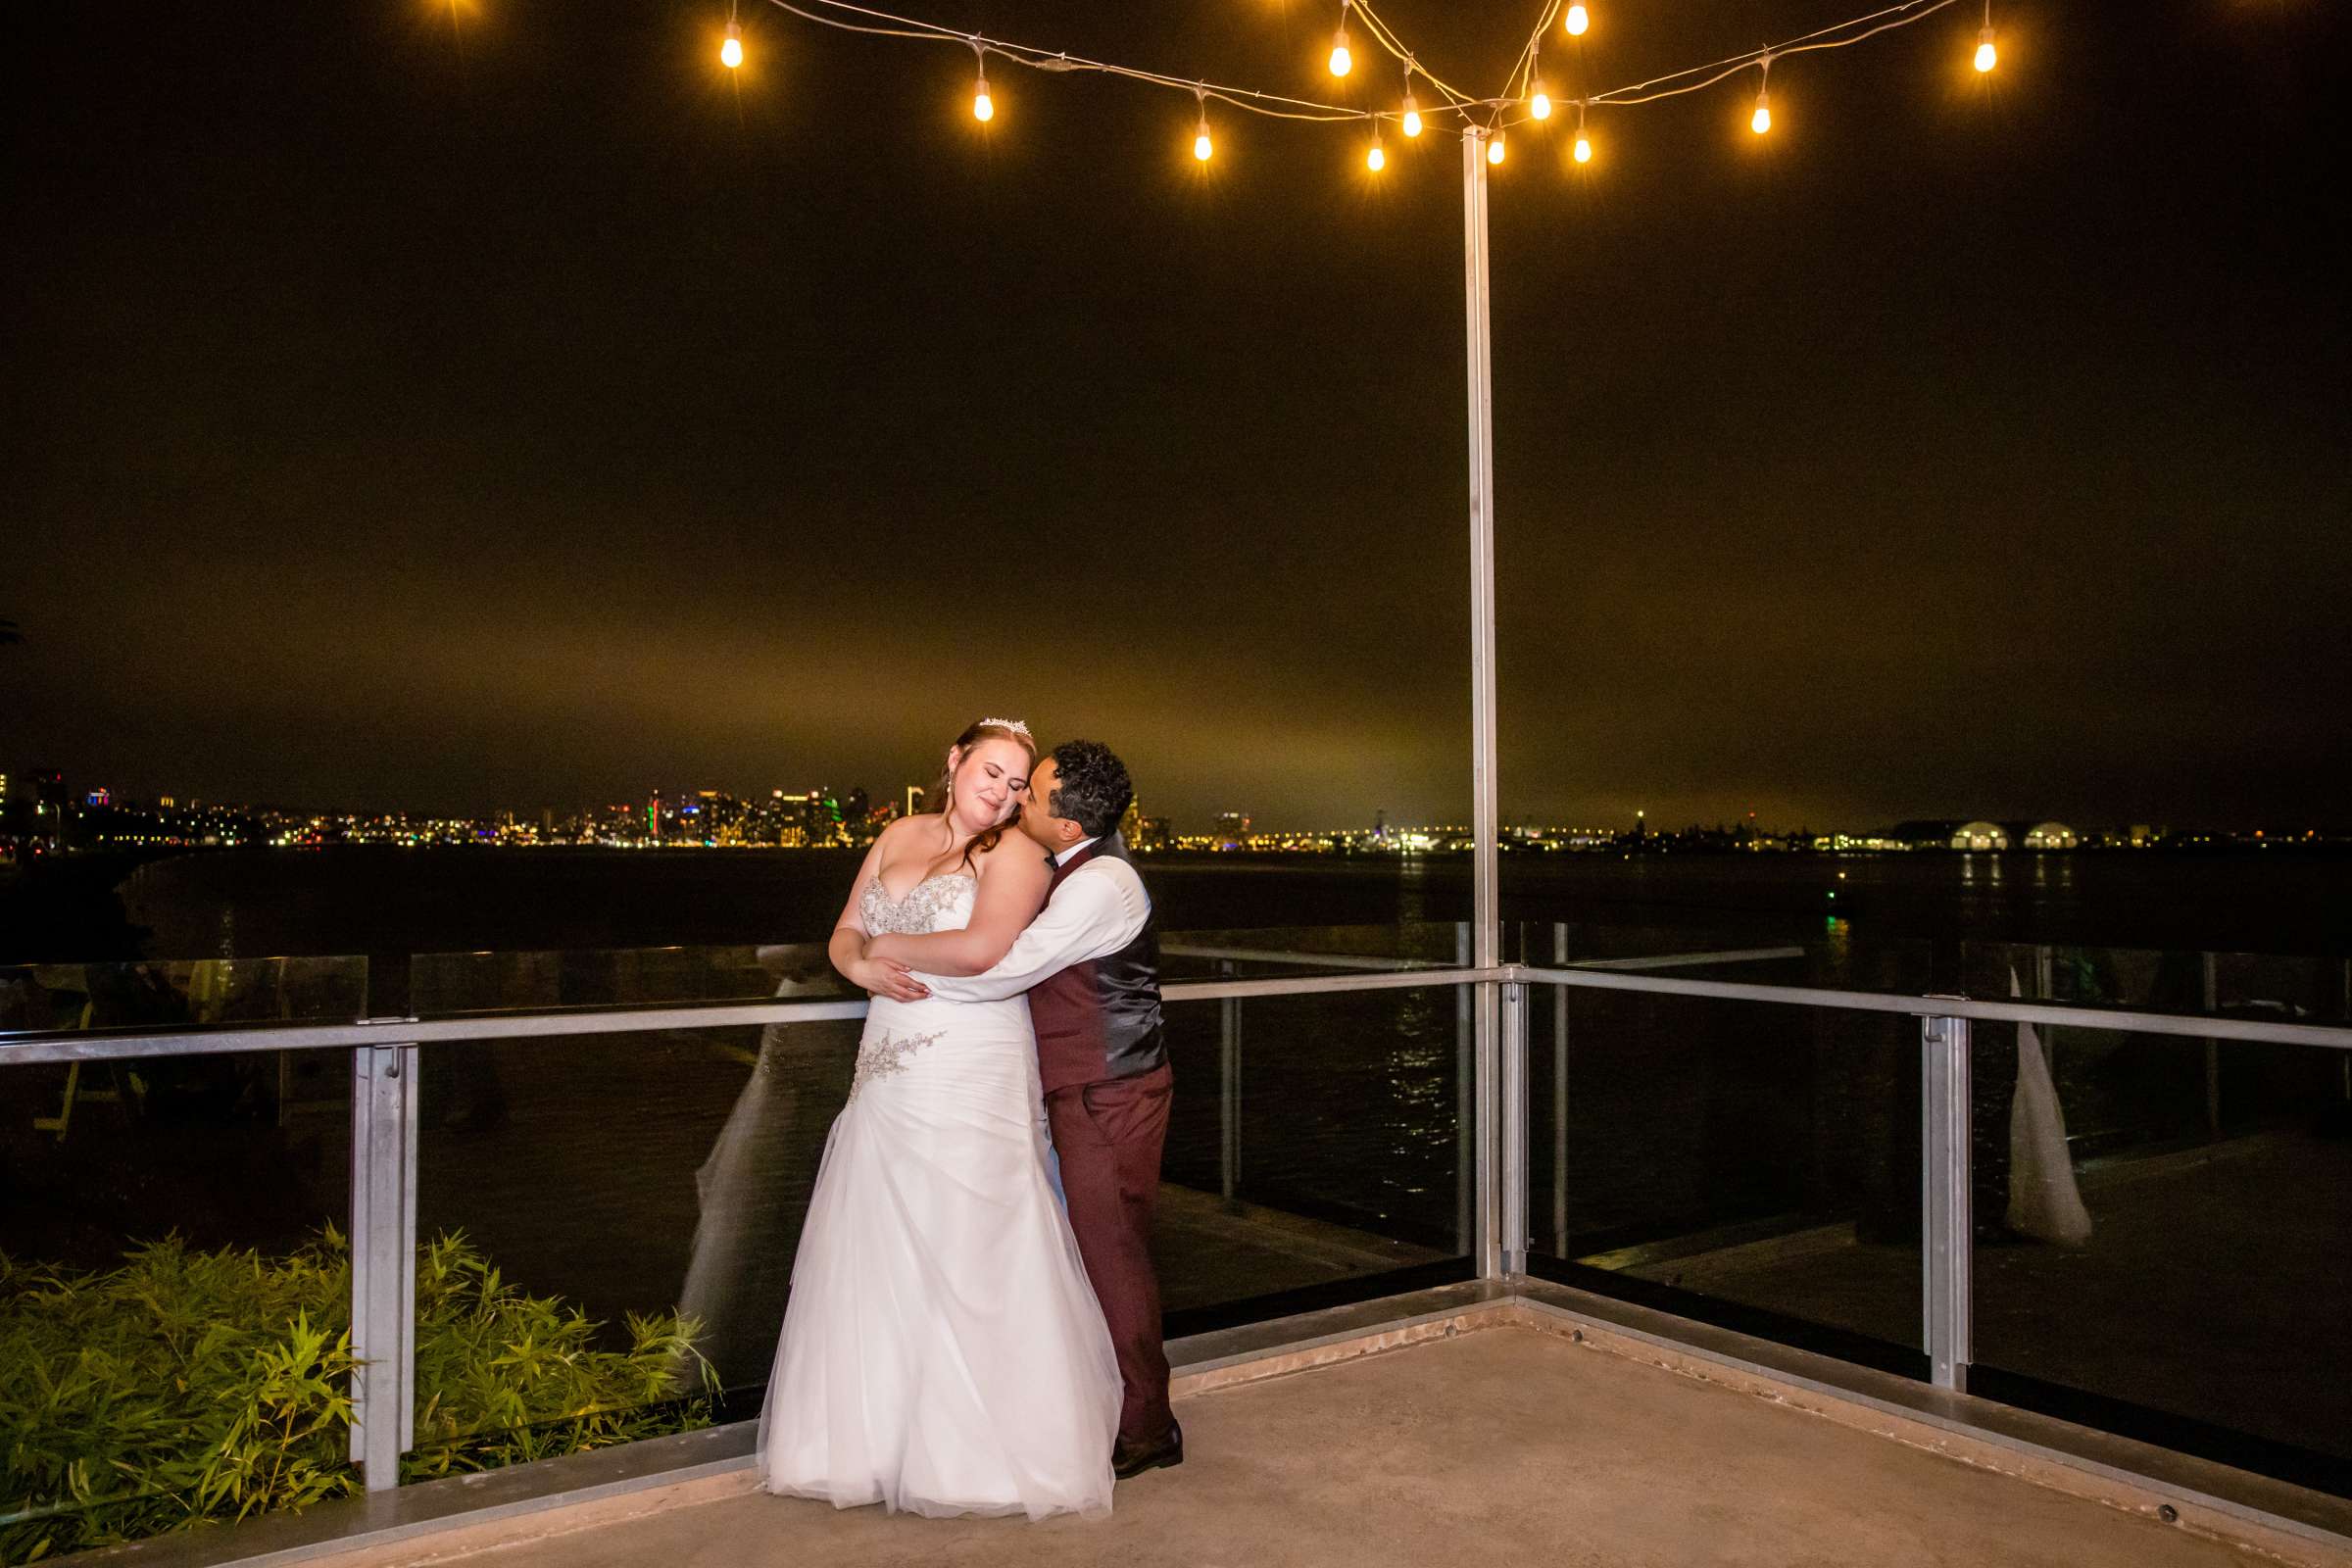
<point x="1108" y="1136"/>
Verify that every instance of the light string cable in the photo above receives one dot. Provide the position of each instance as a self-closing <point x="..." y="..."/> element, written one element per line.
<point x="1837" y="35"/>
<point x="1281" y="106"/>
<point x="1458" y="100"/>
<point x="884" y="23"/>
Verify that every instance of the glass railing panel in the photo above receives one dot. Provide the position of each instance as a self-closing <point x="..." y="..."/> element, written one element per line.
<point x="1299" y="951"/>
<point x="444" y="985"/>
<point x="174" y="1282"/>
<point x="625" y="1205"/>
<point x="160" y="994"/>
<point x="2194" y="1289"/>
<point x="1753" y="1164"/>
<point x="1313" y="1140"/>
<point x="2126" y="1093"/>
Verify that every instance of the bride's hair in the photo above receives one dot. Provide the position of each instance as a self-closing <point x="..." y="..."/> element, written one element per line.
<point x="942" y="792"/>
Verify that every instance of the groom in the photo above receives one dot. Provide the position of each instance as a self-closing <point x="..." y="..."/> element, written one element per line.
<point x="1090" y="963"/>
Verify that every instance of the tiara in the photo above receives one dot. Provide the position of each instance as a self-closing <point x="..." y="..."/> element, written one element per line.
<point x="1012" y="724"/>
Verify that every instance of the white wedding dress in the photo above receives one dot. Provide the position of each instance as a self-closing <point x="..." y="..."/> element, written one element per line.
<point x="943" y="1351"/>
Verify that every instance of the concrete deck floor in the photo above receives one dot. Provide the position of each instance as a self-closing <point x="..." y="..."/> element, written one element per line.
<point x="1508" y="1443"/>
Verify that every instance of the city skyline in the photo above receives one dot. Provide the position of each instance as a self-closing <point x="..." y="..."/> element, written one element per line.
<point x="548" y="404"/>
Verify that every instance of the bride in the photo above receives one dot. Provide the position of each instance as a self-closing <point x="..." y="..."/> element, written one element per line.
<point x="943" y="1351"/>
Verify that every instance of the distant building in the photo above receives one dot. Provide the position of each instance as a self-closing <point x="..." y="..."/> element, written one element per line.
<point x="1979" y="836"/>
<point x="1232" y="830"/>
<point x="2051" y="836"/>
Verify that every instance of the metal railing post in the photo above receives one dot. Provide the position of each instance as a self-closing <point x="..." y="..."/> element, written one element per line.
<point x="1228" y="1089"/>
<point x="383" y="1259"/>
<point x="1466" y="1163"/>
<point x="1515" y="1237"/>
<point x="1947" y="1226"/>
<point x="1559" y="1096"/>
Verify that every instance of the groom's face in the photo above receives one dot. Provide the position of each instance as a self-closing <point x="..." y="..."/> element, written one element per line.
<point x="1054" y="833"/>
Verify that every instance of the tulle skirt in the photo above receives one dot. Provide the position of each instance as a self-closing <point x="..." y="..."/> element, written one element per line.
<point x="942" y="1352"/>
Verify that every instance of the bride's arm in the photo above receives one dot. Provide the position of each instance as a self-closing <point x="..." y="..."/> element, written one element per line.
<point x="1012" y="888"/>
<point x="847" y="949"/>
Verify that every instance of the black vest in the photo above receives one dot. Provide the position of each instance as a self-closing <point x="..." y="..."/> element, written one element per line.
<point x="1101" y="1019"/>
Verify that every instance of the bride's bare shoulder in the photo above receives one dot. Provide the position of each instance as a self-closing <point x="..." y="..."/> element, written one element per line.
<point x="1014" y="851"/>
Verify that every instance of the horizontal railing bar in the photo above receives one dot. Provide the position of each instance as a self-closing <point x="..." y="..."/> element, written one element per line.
<point x="201" y="1040"/>
<point x="1685" y="961"/>
<point x="2333" y="1037"/>
<point x="1310" y="985"/>
<point x="1331" y="961"/>
<point x="204" y="1041"/>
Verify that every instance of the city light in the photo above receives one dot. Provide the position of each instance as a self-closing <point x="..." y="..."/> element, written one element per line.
<point x="730" y="53"/>
<point x="1577" y="20"/>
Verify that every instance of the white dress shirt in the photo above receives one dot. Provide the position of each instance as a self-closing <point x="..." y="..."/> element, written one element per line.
<point x="1097" y="909"/>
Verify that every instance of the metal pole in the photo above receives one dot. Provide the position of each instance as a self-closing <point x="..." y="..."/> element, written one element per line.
<point x="1229" y="1097"/>
<point x="383" y="1259"/>
<point x="1559" y="1096"/>
<point x="1947" y="1226"/>
<point x="1467" y="1128"/>
<point x="1485" y="914"/>
<point x="1515" y="1237"/>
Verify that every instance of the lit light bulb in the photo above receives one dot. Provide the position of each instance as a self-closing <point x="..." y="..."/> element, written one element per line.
<point x="1342" y="61"/>
<point x="1584" y="146"/>
<point x="1494" y="148"/>
<point x="1985" y="50"/>
<point x="1761" y="120"/>
<point x="730" y="53"/>
<point x="1412" y="116"/>
<point x="984" y="106"/>
<point x="1201" y="147"/>
<point x="1539" y="102"/>
<point x="1578" y="21"/>
<point x="1377" y="159"/>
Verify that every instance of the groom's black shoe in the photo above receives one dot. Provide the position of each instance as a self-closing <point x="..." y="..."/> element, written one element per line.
<point x="1130" y="1459"/>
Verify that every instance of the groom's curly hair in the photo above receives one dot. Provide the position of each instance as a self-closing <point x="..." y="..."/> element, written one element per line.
<point x="1093" y="788"/>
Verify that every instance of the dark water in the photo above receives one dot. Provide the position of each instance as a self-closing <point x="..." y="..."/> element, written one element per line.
<point x="368" y="901"/>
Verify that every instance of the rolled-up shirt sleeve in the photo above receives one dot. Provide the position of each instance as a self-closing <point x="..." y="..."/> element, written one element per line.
<point x="1097" y="909"/>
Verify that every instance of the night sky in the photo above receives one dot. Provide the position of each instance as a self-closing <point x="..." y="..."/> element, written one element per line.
<point x="516" y="410"/>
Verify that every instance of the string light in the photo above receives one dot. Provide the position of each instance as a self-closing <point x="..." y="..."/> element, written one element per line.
<point x="730" y="53"/>
<point x="1481" y="117"/>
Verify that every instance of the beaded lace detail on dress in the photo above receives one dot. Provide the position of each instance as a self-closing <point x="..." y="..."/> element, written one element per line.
<point x="919" y="912"/>
<point x="934" y="903"/>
